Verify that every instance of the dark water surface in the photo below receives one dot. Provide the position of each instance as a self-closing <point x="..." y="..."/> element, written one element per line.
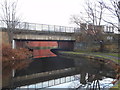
<point x="89" y="70"/>
<point x="39" y="65"/>
<point x="55" y="63"/>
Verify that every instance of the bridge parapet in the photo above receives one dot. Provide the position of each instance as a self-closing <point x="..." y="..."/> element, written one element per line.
<point x="40" y="27"/>
<point x="52" y="28"/>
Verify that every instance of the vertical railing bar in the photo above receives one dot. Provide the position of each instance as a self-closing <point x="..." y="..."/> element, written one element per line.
<point x="65" y="29"/>
<point x="69" y="78"/>
<point x="60" y="80"/>
<point x="60" y="28"/>
<point x="54" y="81"/>
<point x="19" y="25"/>
<point x="28" y="26"/>
<point x="54" y="28"/>
<point x="42" y="84"/>
<point x="27" y="87"/>
<point x="48" y="83"/>
<point x="35" y="86"/>
<point x="42" y="27"/>
<point x="65" y="79"/>
<point x="35" y="26"/>
<point x="49" y="28"/>
<point x="25" y="25"/>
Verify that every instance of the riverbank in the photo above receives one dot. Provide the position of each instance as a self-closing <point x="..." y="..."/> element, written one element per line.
<point x="111" y="59"/>
<point x="97" y="55"/>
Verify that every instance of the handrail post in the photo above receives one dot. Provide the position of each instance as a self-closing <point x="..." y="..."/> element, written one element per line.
<point x="35" y="26"/>
<point x="65" y="29"/>
<point x="54" y="28"/>
<point x="60" y="28"/>
<point x="42" y="27"/>
<point x="48" y="28"/>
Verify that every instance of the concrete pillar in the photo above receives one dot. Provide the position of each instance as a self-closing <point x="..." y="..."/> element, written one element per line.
<point x="13" y="72"/>
<point x="13" y="44"/>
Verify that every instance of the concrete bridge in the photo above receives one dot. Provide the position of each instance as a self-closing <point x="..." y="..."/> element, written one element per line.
<point x="30" y="32"/>
<point x="33" y="31"/>
<point x="64" y="36"/>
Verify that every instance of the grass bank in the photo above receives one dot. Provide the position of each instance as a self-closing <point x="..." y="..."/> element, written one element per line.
<point x="111" y="56"/>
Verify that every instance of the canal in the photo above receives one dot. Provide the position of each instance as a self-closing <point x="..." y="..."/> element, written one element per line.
<point x="83" y="71"/>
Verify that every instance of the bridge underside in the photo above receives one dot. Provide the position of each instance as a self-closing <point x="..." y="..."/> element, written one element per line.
<point x="42" y="48"/>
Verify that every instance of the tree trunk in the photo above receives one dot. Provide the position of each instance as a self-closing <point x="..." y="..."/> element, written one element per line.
<point x="101" y="46"/>
<point x="10" y="36"/>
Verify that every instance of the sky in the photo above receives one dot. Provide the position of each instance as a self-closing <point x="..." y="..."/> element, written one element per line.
<point x="54" y="12"/>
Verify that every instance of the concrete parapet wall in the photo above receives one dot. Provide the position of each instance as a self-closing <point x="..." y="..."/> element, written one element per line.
<point x="4" y="37"/>
<point x="42" y="37"/>
<point x="39" y="35"/>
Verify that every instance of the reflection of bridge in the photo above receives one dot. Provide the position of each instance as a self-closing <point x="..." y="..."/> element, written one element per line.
<point x="45" y="76"/>
<point x="56" y="77"/>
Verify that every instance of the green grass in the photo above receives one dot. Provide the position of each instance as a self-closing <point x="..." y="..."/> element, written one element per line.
<point x="74" y="52"/>
<point x="111" y="54"/>
<point x="98" y="54"/>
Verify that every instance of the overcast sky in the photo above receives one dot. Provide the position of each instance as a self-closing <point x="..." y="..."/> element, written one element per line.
<point x="55" y="12"/>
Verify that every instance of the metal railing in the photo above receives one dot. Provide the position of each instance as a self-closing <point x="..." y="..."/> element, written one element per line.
<point x="51" y="28"/>
<point x="40" y="27"/>
<point x="51" y="83"/>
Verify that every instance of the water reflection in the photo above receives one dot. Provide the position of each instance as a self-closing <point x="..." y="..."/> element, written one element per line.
<point x="91" y="71"/>
<point x="94" y="69"/>
<point x="72" y="82"/>
<point x="9" y="69"/>
<point x="45" y="64"/>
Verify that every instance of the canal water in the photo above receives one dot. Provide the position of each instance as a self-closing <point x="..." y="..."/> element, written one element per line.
<point x="89" y="73"/>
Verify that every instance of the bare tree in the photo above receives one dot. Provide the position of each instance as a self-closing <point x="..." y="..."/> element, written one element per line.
<point x="114" y="12"/>
<point x="9" y="16"/>
<point x="90" y="28"/>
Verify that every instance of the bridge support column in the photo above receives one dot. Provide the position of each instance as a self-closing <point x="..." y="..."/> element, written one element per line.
<point x="13" y="44"/>
<point x="13" y="72"/>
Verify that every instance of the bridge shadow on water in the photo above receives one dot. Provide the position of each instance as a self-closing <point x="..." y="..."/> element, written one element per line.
<point x="39" y="65"/>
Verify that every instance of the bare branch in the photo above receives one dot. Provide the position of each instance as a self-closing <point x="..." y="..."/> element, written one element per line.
<point x="9" y="16"/>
